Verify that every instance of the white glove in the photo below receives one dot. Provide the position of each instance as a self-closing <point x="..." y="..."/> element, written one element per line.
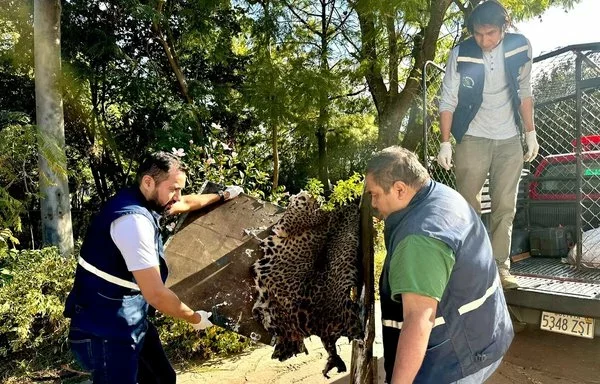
<point x="532" y="146"/>
<point x="232" y="191"/>
<point x="204" y="322"/>
<point x="444" y="157"/>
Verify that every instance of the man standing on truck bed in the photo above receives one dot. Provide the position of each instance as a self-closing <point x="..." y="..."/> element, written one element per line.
<point x="486" y="101"/>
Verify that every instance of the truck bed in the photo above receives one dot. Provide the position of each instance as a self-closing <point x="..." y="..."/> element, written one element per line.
<point x="549" y="284"/>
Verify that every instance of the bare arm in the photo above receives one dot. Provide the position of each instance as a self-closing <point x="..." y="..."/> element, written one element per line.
<point x="161" y="297"/>
<point x="193" y="202"/>
<point x="419" y="317"/>
<point x="526" y="109"/>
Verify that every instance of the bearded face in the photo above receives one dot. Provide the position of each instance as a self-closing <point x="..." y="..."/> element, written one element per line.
<point x="167" y="192"/>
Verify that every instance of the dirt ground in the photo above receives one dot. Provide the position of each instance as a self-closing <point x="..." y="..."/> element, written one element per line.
<point x="534" y="357"/>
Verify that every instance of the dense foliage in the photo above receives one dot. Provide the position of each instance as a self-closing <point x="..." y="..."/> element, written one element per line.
<point x="268" y="94"/>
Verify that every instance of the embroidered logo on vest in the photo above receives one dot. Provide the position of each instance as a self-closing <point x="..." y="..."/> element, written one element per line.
<point x="468" y="82"/>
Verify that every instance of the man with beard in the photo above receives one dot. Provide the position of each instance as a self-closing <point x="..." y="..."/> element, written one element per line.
<point x="122" y="272"/>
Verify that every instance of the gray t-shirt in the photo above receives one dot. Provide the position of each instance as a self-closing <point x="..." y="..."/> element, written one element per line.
<point x="495" y="118"/>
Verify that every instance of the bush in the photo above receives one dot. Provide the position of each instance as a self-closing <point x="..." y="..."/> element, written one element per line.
<point x="34" y="286"/>
<point x="182" y="342"/>
<point x="343" y="192"/>
<point x="33" y="331"/>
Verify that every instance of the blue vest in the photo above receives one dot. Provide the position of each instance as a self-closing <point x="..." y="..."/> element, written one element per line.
<point x="472" y="326"/>
<point x="105" y="301"/>
<point x="472" y="75"/>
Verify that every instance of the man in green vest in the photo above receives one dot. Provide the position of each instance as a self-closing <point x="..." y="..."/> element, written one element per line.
<point x="487" y="105"/>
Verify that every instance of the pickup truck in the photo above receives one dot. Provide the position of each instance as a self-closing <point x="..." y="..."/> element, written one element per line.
<point x="557" y="295"/>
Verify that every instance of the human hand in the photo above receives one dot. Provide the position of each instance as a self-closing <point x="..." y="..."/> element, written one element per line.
<point x="532" y="146"/>
<point x="232" y="191"/>
<point x="444" y="157"/>
<point x="177" y="208"/>
<point x="204" y="322"/>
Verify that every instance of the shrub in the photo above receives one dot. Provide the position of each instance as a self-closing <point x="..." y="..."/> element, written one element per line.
<point x="32" y="294"/>
<point x="343" y="192"/>
<point x="33" y="331"/>
<point x="182" y="342"/>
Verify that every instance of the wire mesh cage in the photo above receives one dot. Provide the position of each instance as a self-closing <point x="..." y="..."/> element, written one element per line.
<point x="561" y="187"/>
<point x="433" y="75"/>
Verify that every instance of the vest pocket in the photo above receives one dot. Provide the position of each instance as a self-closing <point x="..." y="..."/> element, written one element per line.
<point x="130" y="308"/>
<point x="440" y="364"/>
<point x="438" y="346"/>
<point x="82" y="351"/>
<point x="439" y="355"/>
<point x="120" y="299"/>
<point x="461" y="118"/>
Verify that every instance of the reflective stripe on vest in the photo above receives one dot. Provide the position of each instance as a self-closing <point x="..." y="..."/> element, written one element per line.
<point x="471" y="306"/>
<point x="105" y="276"/>
<point x="398" y="324"/>
<point x="468" y="59"/>
<point x="516" y="50"/>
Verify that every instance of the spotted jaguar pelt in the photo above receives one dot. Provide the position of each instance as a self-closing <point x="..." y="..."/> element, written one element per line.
<point x="308" y="279"/>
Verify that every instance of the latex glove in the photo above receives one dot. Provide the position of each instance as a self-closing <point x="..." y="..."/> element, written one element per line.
<point x="444" y="157"/>
<point x="532" y="146"/>
<point x="204" y="322"/>
<point x="232" y="191"/>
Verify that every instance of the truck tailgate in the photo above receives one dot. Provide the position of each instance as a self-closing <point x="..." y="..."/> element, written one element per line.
<point x="548" y="284"/>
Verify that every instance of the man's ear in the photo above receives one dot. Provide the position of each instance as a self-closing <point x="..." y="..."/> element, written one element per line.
<point x="147" y="182"/>
<point x="399" y="188"/>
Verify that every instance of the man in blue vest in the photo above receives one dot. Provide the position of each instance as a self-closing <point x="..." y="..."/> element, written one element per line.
<point x="443" y="312"/>
<point x="486" y="102"/>
<point x="122" y="271"/>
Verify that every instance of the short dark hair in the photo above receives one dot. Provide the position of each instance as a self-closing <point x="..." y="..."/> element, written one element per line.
<point x="488" y="12"/>
<point x="397" y="164"/>
<point x="158" y="165"/>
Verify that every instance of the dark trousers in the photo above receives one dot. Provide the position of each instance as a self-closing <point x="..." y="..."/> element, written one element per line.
<point x="117" y="361"/>
<point x="390" y="345"/>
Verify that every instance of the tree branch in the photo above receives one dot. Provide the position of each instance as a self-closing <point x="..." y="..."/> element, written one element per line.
<point x="301" y="20"/>
<point x="348" y="94"/>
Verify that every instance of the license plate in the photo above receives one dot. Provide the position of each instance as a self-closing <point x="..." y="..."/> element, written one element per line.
<point x="568" y="324"/>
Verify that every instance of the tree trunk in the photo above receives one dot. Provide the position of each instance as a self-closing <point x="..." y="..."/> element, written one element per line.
<point x="414" y="132"/>
<point x="170" y="53"/>
<point x="55" y="206"/>
<point x="392" y="105"/>
<point x="363" y="368"/>
<point x="323" y="119"/>
<point x="275" y="156"/>
<point x="167" y="44"/>
<point x="273" y="114"/>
